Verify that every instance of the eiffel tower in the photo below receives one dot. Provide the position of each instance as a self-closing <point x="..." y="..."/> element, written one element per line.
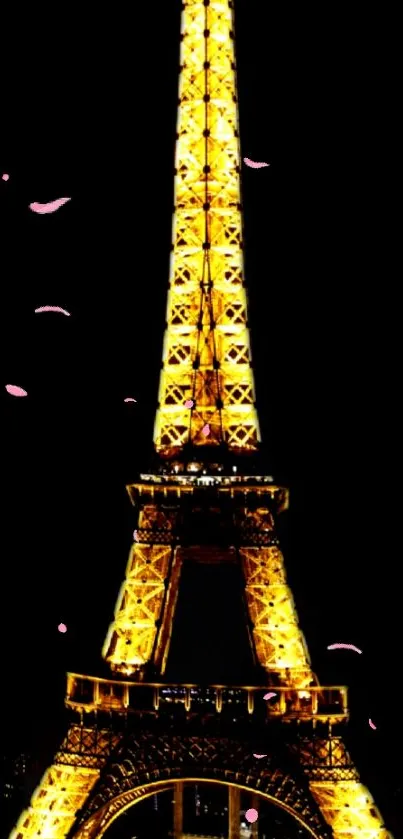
<point x="205" y="500"/>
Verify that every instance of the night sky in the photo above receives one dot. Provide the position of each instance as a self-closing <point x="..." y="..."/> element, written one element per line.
<point x="89" y="111"/>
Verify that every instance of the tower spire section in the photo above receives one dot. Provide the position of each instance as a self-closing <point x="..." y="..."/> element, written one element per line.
<point x="207" y="355"/>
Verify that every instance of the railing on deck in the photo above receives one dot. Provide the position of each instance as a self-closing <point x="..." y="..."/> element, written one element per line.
<point x="241" y="537"/>
<point x="87" y="693"/>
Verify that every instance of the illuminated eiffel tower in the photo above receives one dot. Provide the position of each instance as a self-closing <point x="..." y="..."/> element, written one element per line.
<point x="205" y="501"/>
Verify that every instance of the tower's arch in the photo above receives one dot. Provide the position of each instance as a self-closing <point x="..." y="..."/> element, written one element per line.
<point x="146" y="766"/>
<point x="96" y="825"/>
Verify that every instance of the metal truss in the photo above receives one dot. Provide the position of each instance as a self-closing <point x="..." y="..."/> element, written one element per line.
<point x="349" y="808"/>
<point x="280" y="644"/>
<point x="63" y="790"/>
<point x="109" y="759"/>
<point x="150" y="757"/>
<point x="100" y="770"/>
<point x="148" y="594"/>
<point x="324" y="758"/>
<point x="144" y="613"/>
<point x="206" y="355"/>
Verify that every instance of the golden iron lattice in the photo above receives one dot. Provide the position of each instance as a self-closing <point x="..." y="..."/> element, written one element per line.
<point x="206" y="355"/>
<point x="127" y="739"/>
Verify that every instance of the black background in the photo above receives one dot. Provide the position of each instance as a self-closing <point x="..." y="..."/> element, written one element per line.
<point x="89" y="111"/>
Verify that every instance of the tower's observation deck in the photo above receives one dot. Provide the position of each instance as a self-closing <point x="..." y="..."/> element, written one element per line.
<point x="206" y="355"/>
<point x="324" y="704"/>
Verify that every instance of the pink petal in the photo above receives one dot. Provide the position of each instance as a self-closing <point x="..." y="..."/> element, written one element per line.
<point x="254" y="164"/>
<point x="259" y="756"/>
<point x="129" y="399"/>
<point x="189" y="403"/>
<point x="251" y="815"/>
<point x="269" y="695"/>
<point x="206" y="430"/>
<point x="5" y="177"/>
<point x="345" y="647"/>
<point x="49" y="207"/>
<point x="52" y="309"/>
<point x="14" y="390"/>
<point x="62" y="627"/>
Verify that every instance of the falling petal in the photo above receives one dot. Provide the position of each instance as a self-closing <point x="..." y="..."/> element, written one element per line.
<point x="135" y="536"/>
<point x="49" y="207"/>
<point x="189" y="403"/>
<point x="269" y="695"/>
<point x="129" y="399"/>
<point x="206" y="430"/>
<point x="62" y="627"/>
<point x="372" y="725"/>
<point x="254" y="164"/>
<point x="14" y="390"/>
<point x="259" y="756"/>
<point x="251" y="815"/>
<point x="5" y="177"/>
<point x="345" y="647"/>
<point x="52" y="309"/>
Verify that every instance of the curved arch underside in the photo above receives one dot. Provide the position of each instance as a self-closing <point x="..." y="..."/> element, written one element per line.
<point x="152" y="763"/>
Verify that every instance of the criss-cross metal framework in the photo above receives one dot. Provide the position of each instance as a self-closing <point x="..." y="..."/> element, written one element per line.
<point x="207" y="355"/>
<point x="176" y="516"/>
<point x="127" y="739"/>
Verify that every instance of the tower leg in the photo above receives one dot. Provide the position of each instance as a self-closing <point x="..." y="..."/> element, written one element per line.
<point x="234" y="806"/>
<point x="178" y="811"/>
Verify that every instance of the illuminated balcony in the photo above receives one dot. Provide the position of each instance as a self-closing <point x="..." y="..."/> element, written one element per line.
<point x="87" y="693"/>
<point x="174" y="488"/>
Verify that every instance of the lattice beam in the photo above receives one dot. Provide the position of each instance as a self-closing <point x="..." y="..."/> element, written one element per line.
<point x="148" y="759"/>
<point x="349" y="809"/>
<point x="279" y="641"/>
<point x="207" y="354"/>
<point x="325" y="759"/>
<point x="62" y="791"/>
<point x="66" y="785"/>
<point x="206" y="358"/>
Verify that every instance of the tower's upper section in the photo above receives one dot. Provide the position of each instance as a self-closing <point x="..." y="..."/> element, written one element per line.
<point x="206" y="355"/>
